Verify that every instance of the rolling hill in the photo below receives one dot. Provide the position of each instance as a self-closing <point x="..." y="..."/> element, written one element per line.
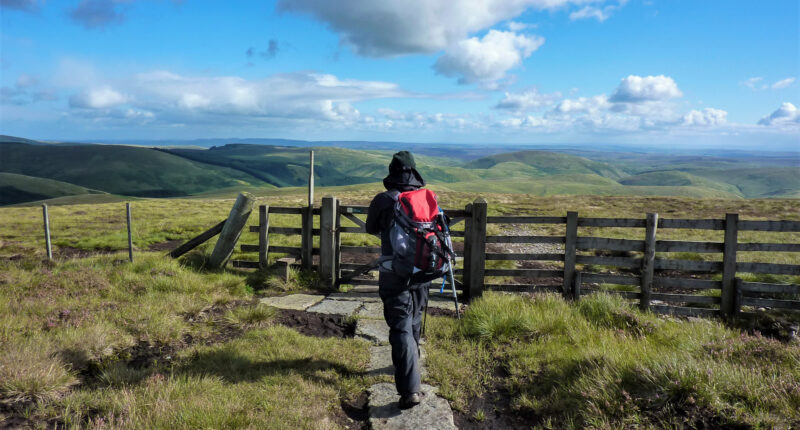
<point x="35" y="171"/>
<point x="16" y="188"/>
<point x="116" y="169"/>
<point x="545" y="163"/>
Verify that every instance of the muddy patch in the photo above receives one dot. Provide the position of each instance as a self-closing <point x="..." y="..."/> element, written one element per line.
<point x="313" y="324"/>
<point x="67" y="252"/>
<point x="492" y="410"/>
<point x="165" y="246"/>
<point x="354" y="413"/>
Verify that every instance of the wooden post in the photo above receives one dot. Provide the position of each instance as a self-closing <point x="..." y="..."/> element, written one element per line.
<point x="130" y="239"/>
<point x="263" y="235"/>
<point x="465" y="260"/>
<point x="337" y="244"/>
<point x="310" y="178"/>
<point x="231" y="230"/>
<point x="475" y="255"/>
<point x="47" y="233"/>
<point x="197" y="240"/>
<point x="737" y="302"/>
<point x="569" y="252"/>
<point x="648" y="262"/>
<point x="327" y="241"/>
<point x="307" y="237"/>
<point x="726" y="306"/>
<point x="576" y="286"/>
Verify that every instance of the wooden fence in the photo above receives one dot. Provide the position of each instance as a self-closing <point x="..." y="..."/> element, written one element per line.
<point x="645" y="272"/>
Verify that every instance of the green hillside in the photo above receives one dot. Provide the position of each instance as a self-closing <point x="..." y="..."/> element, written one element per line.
<point x="549" y="163"/>
<point x="16" y="188"/>
<point x="679" y="179"/>
<point x="181" y="171"/>
<point x="756" y="182"/>
<point x="285" y="166"/>
<point x="119" y="169"/>
<point x="583" y="184"/>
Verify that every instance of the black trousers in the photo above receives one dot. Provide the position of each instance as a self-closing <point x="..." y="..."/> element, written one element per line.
<point x="402" y="309"/>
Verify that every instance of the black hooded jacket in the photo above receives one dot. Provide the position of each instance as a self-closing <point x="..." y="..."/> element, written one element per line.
<point x="403" y="176"/>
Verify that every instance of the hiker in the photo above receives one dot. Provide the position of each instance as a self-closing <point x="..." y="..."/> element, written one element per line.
<point x="403" y="301"/>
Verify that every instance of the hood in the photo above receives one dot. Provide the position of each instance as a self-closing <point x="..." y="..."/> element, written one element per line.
<point x="403" y="174"/>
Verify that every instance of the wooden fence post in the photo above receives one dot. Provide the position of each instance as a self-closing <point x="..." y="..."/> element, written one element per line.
<point x="231" y="230"/>
<point x="569" y="252"/>
<point x="737" y="302"/>
<point x="263" y="235"/>
<point x="307" y="237"/>
<point x="576" y="286"/>
<point x="310" y="178"/>
<point x="327" y="241"/>
<point x="726" y="306"/>
<point x="475" y="249"/>
<point x="47" y="233"/>
<point x="130" y="240"/>
<point x="337" y="243"/>
<point x="648" y="262"/>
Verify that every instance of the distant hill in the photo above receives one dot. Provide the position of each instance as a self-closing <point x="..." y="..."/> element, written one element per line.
<point x="548" y="163"/>
<point x="679" y="179"/>
<point x="77" y="170"/>
<point x="119" y="169"/>
<point x="11" y="139"/>
<point x="20" y="188"/>
<point x="287" y="166"/>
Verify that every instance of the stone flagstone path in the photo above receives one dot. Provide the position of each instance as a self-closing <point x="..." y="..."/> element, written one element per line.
<point x="434" y="412"/>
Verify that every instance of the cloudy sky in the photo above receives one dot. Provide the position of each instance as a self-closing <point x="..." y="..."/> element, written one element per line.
<point x="654" y="72"/>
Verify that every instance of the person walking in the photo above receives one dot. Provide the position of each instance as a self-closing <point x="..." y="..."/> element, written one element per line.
<point x="403" y="301"/>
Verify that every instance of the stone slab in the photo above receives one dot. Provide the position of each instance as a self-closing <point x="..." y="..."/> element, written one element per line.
<point x="380" y="360"/>
<point x="356" y="296"/>
<point x="375" y="331"/>
<point x="297" y="302"/>
<point x="336" y="307"/>
<point x="371" y="310"/>
<point x="384" y="414"/>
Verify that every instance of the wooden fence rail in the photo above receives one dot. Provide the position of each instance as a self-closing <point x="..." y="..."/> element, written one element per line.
<point x="577" y="265"/>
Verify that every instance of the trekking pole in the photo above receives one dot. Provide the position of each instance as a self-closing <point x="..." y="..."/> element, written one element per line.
<point x="450" y="266"/>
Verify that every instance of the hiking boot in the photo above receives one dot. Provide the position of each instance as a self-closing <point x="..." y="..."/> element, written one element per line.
<point x="410" y="400"/>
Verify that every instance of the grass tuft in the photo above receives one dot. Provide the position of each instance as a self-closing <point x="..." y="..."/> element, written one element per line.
<point x="30" y="371"/>
<point x="600" y="363"/>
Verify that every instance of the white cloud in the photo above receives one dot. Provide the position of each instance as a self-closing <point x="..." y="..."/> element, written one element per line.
<point x="528" y="100"/>
<point x="706" y="117"/>
<point x="600" y="13"/>
<point x="98" y="98"/>
<point x="787" y="114"/>
<point x="517" y="26"/>
<point x="591" y="12"/>
<point x="176" y="98"/>
<point x="783" y="83"/>
<point x="397" y="27"/>
<point x="488" y="59"/>
<point x="422" y="120"/>
<point x="583" y="105"/>
<point x="636" y="89"/>
<point x="751" y="82"/>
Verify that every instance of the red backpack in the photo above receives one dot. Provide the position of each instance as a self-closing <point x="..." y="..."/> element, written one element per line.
<point x="421" y="245"/>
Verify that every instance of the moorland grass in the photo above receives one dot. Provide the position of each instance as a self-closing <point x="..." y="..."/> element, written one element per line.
<point x="269" y="378"/>
<point x="67" y="331"/>
<point x="600" y="363"/>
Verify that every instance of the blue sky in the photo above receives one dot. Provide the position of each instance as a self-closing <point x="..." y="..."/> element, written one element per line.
<point x="655" y="72"/>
